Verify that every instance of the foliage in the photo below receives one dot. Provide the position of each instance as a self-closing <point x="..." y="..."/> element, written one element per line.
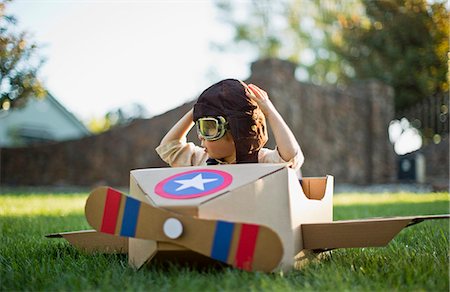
<point x="19" y="64"/>
<point x="403" y="43"/>
<point x="417" y="259"/>
<point x="400" y="42"/>
<point x="117" y="117"/>
<point x="274" y="29"/>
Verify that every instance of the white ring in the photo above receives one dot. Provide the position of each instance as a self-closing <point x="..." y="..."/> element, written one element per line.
<point x="173" y="228"/>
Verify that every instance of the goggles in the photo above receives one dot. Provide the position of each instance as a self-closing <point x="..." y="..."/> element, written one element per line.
<point x="212" y="128"/>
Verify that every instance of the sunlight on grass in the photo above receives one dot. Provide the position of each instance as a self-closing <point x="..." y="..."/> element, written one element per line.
<point x="65" y="204"/>
<point x="51" y="204"/>
<point x="386" y="198"/>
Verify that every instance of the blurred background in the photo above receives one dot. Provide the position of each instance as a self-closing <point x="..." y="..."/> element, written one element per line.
<point x="93" y="85"/>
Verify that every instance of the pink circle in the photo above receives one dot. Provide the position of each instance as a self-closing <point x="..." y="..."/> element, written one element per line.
<point x="227" y="179"/>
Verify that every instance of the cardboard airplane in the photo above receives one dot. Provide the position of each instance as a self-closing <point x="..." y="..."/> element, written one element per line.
<point x="256" y="217"/>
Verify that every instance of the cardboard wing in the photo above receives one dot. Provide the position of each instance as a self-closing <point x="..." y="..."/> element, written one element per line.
<point x="93" y="241"/>
<point x="358" y="233"/>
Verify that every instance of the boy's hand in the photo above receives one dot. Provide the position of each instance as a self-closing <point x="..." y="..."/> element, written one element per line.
<point x="260" y="97"/>
<point x="287" y="145"/>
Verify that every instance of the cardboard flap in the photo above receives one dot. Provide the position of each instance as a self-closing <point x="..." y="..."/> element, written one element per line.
<point x="358" y="233"/>
<point x="153" y="179"/>
<point x="93" y="241"/>
<point x="314" y="187"/>
<point x="140" y="251"/>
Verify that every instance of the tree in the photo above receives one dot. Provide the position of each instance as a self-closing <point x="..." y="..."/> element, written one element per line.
<point x="19" y="64"/>
<point x="403" y="43"/>
<point x="296" y="30"/>
<point x="400" y="42"/>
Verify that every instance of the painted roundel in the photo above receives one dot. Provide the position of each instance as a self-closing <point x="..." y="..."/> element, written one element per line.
<point x="193" y="184"/>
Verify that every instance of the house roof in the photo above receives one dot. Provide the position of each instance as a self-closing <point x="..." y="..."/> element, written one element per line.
<point x="77" y="123"/>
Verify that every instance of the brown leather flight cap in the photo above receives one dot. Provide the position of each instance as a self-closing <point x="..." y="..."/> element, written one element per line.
<point x="247" y="123"/>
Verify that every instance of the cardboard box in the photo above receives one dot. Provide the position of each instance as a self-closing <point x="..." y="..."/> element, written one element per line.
<point x="269" y="195"/>
<point x="264" y="194"/>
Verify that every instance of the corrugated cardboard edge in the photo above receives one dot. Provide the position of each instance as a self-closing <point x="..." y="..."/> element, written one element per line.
<point x="372" y="232"/>
<point x="92" y="241"/>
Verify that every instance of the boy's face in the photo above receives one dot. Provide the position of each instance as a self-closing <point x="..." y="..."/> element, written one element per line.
<point x="222" y="149"/>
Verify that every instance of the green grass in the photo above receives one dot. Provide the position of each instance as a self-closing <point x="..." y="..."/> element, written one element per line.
<point x="417" y="259"/>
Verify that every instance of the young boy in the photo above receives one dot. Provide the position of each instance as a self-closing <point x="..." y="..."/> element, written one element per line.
<point x="230" y="118"/>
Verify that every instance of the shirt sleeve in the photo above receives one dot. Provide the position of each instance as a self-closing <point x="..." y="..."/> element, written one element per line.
<point x="180" y="153"/>
<point x="273" y="156"/>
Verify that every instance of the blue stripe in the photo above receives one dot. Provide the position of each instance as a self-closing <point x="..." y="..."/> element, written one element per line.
<point x="130" y="216"/>
<point x="222" y="241"/>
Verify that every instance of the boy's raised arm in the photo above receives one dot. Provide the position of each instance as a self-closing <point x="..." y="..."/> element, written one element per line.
<point x="287" y="144"/>
<point x="180" y="129"/>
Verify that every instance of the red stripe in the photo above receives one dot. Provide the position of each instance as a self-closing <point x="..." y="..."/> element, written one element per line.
<point x="246" y="246"/>
<point x="111" y="211"/>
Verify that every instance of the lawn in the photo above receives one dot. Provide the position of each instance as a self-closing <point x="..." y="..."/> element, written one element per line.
<point x="417" y="259"/>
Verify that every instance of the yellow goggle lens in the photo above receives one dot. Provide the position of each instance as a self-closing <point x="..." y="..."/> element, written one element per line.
<point x="211" y="128"/>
